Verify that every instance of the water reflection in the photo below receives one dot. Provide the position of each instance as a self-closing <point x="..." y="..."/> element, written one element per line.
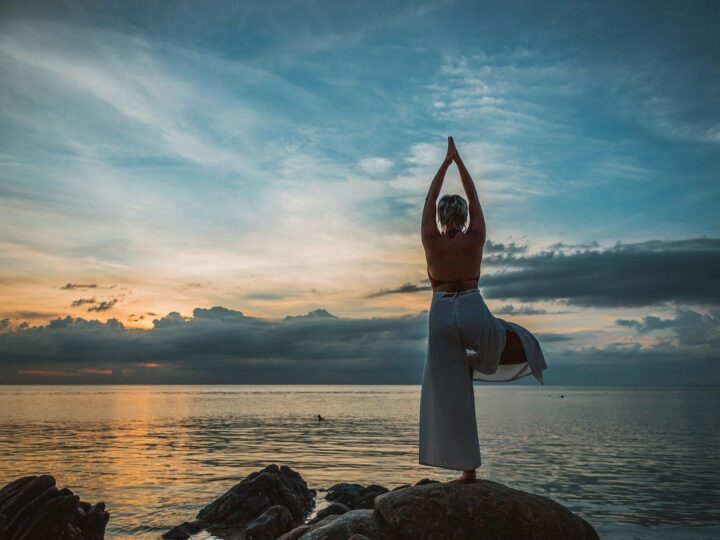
<point x="636" y="463"/>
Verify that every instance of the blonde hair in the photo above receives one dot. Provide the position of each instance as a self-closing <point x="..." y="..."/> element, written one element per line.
<point x="452" y="210"/>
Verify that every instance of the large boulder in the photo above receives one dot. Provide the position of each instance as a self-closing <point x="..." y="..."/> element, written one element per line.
<point x="480" y="510"/>
<point x="431" y="510"/>
<point x="342" y="527"/>
<point x="249" y="499"/>
<point x="33" y="508"/>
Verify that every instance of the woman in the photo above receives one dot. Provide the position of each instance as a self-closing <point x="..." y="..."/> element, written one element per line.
<point x="459" y="320"/>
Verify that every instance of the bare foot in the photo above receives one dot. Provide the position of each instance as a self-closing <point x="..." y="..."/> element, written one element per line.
<point x="468" y="477"/>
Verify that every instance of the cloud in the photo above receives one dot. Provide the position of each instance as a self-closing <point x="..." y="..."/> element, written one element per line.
<point x="404" y="288"/>
<point x="498" y="247"/>
<point x="579" y="245"/>
<point x="509" y="309"/>
<point x="83" y="301"/>
<point x="30" y="314"/>
<point x="104" y="305"/>
<point x="689" y="326"/>
<point x="625" y="275"/>
<point x="315" y="314"/>
<point x="632" y="364"/>
<point x="376" y="165"/>
<point x="96" y="305"/>
<point x="648" y="323"/>
<point x="266" y="296"/>
<point x="551" y="338"/>
<point x="134" y="318"/>
<point x="72" y="286"/>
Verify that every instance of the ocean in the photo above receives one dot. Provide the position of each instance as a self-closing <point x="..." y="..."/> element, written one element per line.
<point x="637" y="463"/>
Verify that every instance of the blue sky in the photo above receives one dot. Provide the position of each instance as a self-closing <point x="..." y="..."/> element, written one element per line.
<point x="272" y="158"/>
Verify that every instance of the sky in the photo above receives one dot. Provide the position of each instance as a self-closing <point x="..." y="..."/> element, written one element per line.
<point x="231" y="191"/>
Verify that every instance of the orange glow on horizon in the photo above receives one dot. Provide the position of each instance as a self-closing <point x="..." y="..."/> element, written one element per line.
<point x="43" y="372"/>
<point x="59" y="373"/>
<point x="94" y="371"/>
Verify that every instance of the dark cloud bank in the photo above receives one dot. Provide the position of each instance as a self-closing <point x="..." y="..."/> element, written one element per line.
<point x="626" y="275"/>
<point x="220" y="345"/>
<point x="630" y="275"/>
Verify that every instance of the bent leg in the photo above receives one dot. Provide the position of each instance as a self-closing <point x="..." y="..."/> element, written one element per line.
<point x="514" y="352"/>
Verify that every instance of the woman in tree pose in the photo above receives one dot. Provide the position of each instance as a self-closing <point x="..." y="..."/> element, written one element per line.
<point x="460" y="321"/>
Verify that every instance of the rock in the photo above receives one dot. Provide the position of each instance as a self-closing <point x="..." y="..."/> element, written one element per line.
<point x="251" y="497"/>
<point x="418" y="483"/>
<point x="96" y="519"/>
<point x="482" y="510"/>
<point x="344" y="526"/>
<point x="426" y="481"/>
<point x="332" y="509"/>
<point x="358" y="537"/>
<point x="273" y="522"/>
<point x="33" y="508"/>
<point x="296" y="533"/>
<point x="355" y="496"/>
<point x="343" y="493"/>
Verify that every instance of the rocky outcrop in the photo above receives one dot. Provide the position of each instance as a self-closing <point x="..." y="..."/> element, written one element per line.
<point x="33" y="508"/>
<point x="267" y="504"/>
<point x="252" y="505"/>
<point x="448" y="511"/>
<point x="483" y="509"/>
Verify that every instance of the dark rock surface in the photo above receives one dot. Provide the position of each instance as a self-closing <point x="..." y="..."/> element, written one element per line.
<point x="355" y="496"/>
<point x="183" y="531"/>
<point x="344" y="526"/>
<point x="333" y="509"/>
<point x="32" y="508"/>
<point x="273" y="522"/>
<point x="484" y="509"/>
<point x="296" y="533"/>
<point x="247" y="500"/>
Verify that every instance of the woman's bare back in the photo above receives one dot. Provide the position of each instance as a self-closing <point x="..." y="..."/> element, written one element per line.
<point x="453" y="260"/>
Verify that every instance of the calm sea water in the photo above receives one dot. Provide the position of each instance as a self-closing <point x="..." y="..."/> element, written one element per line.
<point x="636" y="462"/>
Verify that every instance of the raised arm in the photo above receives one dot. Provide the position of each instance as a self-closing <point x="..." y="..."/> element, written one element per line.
<point x="477" y="219"/>
<point x="428" y="228"/>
